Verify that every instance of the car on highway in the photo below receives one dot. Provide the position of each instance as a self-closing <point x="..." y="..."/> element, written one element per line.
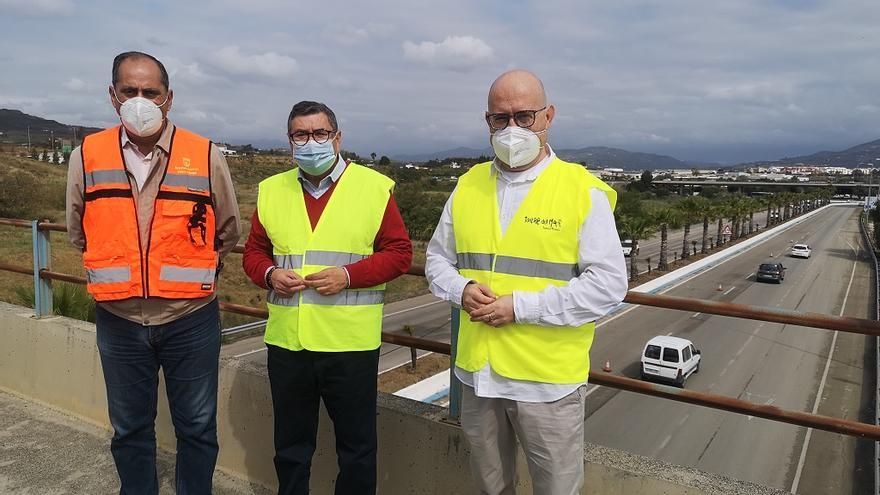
<point x="670" y="359"/>
<point x="801" y="251"/>
<point x="627" y="246"/>
<point x="770" y="270"/>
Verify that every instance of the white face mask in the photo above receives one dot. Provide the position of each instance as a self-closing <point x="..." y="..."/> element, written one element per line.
<point x="141" y="116"/>
<point x="516" y="146"/>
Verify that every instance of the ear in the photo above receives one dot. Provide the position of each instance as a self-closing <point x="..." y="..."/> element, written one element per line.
<point x="338" y="138"/>
<point x="551" y="112"/>
<point x="113" y="101"/>
<point x="170" y="100"/>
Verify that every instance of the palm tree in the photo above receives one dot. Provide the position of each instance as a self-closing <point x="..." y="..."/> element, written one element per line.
<point x="720" y="208"/>
<point x="771" y="202"/>
<point x="691" y="209"/>
<point x="635" y="227"/>
<point x="754" y="204"/>
<point x="665" y="218"/>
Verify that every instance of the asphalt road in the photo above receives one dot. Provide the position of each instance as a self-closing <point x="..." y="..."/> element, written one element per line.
<point x="767" y="363"/>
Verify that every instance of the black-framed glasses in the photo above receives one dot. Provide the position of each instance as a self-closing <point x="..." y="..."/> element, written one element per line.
<point x="320" y="136"/>
<point x="522" y="118"/>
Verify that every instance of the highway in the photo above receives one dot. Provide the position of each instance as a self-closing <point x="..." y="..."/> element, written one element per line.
<point x="788" y="366"/>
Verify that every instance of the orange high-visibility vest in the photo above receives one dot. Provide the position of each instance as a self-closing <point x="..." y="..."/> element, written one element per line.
<point x="180" y="261"/>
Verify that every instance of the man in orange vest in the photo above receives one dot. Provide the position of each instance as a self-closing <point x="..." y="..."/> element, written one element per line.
<point x="153" y="209"/>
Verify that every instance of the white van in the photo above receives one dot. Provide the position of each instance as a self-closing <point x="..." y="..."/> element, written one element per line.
<point x="670" y="359"/>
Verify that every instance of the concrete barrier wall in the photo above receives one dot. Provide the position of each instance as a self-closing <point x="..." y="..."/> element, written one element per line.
<point x="55" y="361"/>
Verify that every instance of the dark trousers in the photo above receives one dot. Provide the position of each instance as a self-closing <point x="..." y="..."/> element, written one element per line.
<point x="346" y="382"/>
<point x="187" y="350"/>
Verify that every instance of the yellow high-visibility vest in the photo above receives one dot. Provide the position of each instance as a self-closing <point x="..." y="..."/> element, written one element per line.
<point x="539" y="249"/>
<point x="345" y="233"/>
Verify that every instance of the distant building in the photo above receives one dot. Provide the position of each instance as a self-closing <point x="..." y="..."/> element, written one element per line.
<point x="226" y="151"/>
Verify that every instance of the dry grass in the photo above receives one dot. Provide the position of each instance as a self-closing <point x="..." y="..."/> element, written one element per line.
<point x="15" y="243"/>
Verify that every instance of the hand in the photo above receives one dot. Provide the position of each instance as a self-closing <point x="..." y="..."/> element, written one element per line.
<point x="475" y="296"/>
<point x="286" y="283"/>
<point x="328" y="281"/>
<point x="497" y="313"/>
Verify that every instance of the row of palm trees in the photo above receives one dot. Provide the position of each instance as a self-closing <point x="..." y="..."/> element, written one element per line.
<point x="738" y="209"/>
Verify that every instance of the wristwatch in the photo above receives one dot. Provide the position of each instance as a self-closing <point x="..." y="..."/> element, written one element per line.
<point x="269" y="277"/>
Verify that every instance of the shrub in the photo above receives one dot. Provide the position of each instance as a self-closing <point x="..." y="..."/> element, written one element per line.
<point x="70" y="300"/>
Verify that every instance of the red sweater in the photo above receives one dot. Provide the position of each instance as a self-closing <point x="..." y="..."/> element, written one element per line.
<point x="391" y="257"/>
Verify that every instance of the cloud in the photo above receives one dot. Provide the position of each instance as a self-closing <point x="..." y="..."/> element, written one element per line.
<point x="455" y="52"/>
<point x="37" y="8"/>
<point x="265" y="65"/>
<point x="75" y="84"/>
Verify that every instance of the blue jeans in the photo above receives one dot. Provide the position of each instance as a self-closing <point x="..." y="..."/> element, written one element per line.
<point x="188" y="351"/>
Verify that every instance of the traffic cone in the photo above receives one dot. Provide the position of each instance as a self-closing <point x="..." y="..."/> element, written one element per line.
<point x="607" y="367"/>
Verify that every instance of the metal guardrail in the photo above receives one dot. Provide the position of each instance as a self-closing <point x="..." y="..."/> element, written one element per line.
<point x="43" y="276"/>
<point x="863" y="227"/>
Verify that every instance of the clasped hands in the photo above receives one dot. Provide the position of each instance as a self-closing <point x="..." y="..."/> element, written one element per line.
<point x="484" y="306"/>
<point x="326" y="282"/>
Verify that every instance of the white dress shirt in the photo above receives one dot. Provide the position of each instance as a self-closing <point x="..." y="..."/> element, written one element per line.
<point x="137" y="163"/>
<point x="600" y="287"/>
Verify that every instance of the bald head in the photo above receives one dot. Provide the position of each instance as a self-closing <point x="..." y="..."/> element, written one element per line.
<point x="520" y="85"/>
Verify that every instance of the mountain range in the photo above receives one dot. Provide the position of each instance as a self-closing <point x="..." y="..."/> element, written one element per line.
<point x="14" y="128"/>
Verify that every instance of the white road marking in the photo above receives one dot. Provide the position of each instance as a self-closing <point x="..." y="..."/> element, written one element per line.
<point x="749" y="275"/>
<point x="662" y="445"/>
<point x="684" y="418"/>
<point x="728" y="291"/>
<point x="695" y="315"/>
<point x="248" y="353"/>
<point x="413" y="308"/>
<point x="803" y="458"/>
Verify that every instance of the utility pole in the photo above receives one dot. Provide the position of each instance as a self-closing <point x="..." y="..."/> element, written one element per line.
<point x="29" y="141"/>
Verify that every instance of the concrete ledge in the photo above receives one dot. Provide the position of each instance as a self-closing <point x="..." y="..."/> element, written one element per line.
<point x="55" y="361"/>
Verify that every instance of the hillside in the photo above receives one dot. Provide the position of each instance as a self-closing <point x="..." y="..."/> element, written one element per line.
<point x="14" y="126"/>
<point x="862" y="155"/>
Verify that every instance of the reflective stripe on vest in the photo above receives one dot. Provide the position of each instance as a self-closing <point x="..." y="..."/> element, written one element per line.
<point x="345" y="233"/>
<point x="192" y="183"/>
<point x="518" y="266"/>
<point x="104" y="177"/>
<point x="539" y="249"/>
<point x="109" y="275"/>
<point x="288" y="261"/>
<point x="193" y="275"/>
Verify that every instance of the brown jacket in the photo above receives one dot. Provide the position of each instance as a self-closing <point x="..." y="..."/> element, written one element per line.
<point x="156" y="311"/>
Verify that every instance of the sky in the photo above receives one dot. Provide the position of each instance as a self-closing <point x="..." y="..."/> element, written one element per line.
<point x="724" y="82"/>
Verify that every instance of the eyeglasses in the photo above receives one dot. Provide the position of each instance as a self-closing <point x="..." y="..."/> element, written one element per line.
<point x="522" y="118"/>
<point x="320" y="136"/>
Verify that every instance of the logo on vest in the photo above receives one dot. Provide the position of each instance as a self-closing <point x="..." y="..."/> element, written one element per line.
<point x="544" y="223"/>
<point x="185" y="167"/>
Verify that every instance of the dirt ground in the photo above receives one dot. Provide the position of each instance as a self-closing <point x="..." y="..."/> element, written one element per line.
<point x="426" y="366"/>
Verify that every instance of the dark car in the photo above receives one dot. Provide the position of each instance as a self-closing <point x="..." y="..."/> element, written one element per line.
<point x="771" y="271"/>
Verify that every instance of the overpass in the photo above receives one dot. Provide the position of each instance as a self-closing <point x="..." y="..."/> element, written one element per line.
<point x="53" y="360"/>
<point x="690" y="186"/>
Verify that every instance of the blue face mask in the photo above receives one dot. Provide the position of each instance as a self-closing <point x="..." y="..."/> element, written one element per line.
<point x="313" y="158"/>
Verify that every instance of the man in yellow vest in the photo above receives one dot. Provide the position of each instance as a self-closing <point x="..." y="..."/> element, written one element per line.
<point x="325" y="239"/>
<point x="527" y="247"/>
<point x="152" y="207"/>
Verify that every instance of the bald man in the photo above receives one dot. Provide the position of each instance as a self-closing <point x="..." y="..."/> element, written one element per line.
<point x="528" y="249"/>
